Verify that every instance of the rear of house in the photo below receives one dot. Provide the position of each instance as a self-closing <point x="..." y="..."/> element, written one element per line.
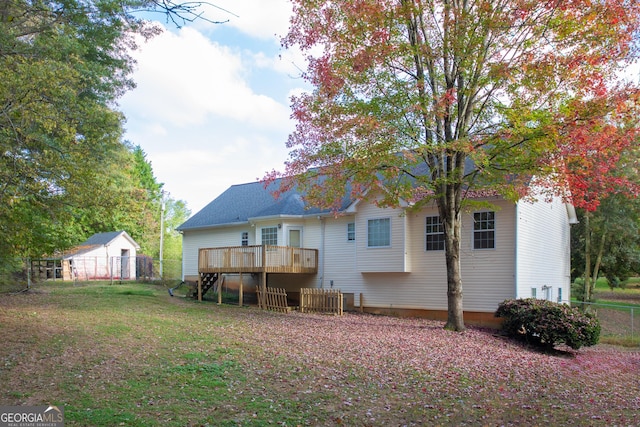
<point x="391" y="260"/>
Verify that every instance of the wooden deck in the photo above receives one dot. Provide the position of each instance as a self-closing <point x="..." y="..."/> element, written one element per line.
<point x="257" y="259"/>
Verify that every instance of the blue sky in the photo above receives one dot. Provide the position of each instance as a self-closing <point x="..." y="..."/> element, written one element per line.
<point x="211" y="107"/>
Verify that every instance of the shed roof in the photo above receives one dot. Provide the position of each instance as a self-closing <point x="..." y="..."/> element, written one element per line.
<point x="103" y="239"/>
<point x="98" y="240"/>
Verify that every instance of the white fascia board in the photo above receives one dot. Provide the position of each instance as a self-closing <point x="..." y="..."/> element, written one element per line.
<point x="571" y="212"/>
<point x="272" y="217"/>
<point x="213" y="226"/>
<point x="130" y="239"/>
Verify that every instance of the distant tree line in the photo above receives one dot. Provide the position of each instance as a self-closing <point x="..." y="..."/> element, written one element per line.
<point x="606" y="243"/>
<point x="65" y="170"/>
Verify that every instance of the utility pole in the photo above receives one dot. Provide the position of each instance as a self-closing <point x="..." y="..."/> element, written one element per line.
<point x="161" y="232"/>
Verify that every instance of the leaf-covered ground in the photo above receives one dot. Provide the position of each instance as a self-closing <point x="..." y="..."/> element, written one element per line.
<point x="131" y="355"/>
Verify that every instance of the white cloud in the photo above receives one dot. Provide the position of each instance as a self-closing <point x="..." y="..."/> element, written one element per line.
<point x="198" y="113"/>
<point x="199" y="174"/>
<point x="263" y="19"/>
<point x="182" y="78"/>
<point x="289" y="62"/>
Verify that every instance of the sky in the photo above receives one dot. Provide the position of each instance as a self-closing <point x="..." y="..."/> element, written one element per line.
<point x="212" y="104"/>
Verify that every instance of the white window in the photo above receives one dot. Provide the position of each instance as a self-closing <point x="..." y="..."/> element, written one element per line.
<point x="379" y="232"/>
<point x="484" y="230"/>
<point x="434" y="234"/>
<point x="245" y="238"/>
<point x="559" y="295"/>
<point x="351" y="231"/>
<point x="270" y="236"/>
<point x="534" y="293"/>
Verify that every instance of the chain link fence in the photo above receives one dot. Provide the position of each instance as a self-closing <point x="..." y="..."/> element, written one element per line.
<point x="17" y="274"/>
<point x="620" y="323"/>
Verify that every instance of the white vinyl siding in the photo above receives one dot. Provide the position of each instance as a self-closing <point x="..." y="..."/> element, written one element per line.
<point x="192" y="241"/>
<point x="404" y="275"/>
<point x="488" y="276"/>
<point x="389" y="258"/>
<point x="543" y="262"/>
<point x="340" y="258"/>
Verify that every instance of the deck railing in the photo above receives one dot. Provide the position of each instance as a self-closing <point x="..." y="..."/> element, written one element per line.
<point x="255" y="259"/>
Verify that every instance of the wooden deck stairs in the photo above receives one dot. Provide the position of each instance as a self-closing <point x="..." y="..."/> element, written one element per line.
<point x="208" y="280"/>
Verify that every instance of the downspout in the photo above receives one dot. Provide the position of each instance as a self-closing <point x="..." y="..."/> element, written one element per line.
<point x="182" y="256"/>
<point x="515" y="251"/>
<point x="322" y="230"/>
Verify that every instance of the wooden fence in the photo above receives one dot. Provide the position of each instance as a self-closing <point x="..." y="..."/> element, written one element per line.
<point x="274" y="299"/>
<point x="321" y="301"/>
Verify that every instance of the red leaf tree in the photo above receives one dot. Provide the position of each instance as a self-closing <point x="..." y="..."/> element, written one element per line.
<point x="408" y="93"/>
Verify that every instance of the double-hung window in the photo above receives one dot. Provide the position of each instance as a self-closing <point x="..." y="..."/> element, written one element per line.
<point x="270" y="236"/>
<point x="379" y="232"/>
<point x="484" y="230"/>
<point x="351" y="232"/>
<point x="245" y="238"/>
<point x="434" y="234"/>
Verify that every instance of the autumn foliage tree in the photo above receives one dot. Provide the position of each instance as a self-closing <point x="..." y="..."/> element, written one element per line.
<point x="427" y="99"/>
<point x="607" y="240"/>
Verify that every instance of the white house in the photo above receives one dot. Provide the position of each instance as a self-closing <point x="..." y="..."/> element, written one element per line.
<point x="392" y="260"/>
<point x="103" y="256"/>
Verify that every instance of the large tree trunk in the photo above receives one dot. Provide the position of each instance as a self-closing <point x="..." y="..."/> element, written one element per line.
<point x="586" y="297"/>
<point x="452" y="222"/>
<point x="596" y="267"/>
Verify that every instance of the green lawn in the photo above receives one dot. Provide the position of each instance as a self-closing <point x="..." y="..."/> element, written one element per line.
<point x="131" y="355"/>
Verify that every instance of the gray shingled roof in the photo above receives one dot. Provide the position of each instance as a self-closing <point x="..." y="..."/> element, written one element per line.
<point x="252" y="200"/>
<point x="96" y="241"/>
<point x="243" y="201"/>
<point x="101" y="238"/>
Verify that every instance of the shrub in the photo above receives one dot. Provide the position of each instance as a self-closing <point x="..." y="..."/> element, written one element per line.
<point x="545" y="323"/>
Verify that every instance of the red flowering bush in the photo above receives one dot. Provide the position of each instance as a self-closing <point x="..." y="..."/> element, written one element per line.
<point x="546" y="323"/>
